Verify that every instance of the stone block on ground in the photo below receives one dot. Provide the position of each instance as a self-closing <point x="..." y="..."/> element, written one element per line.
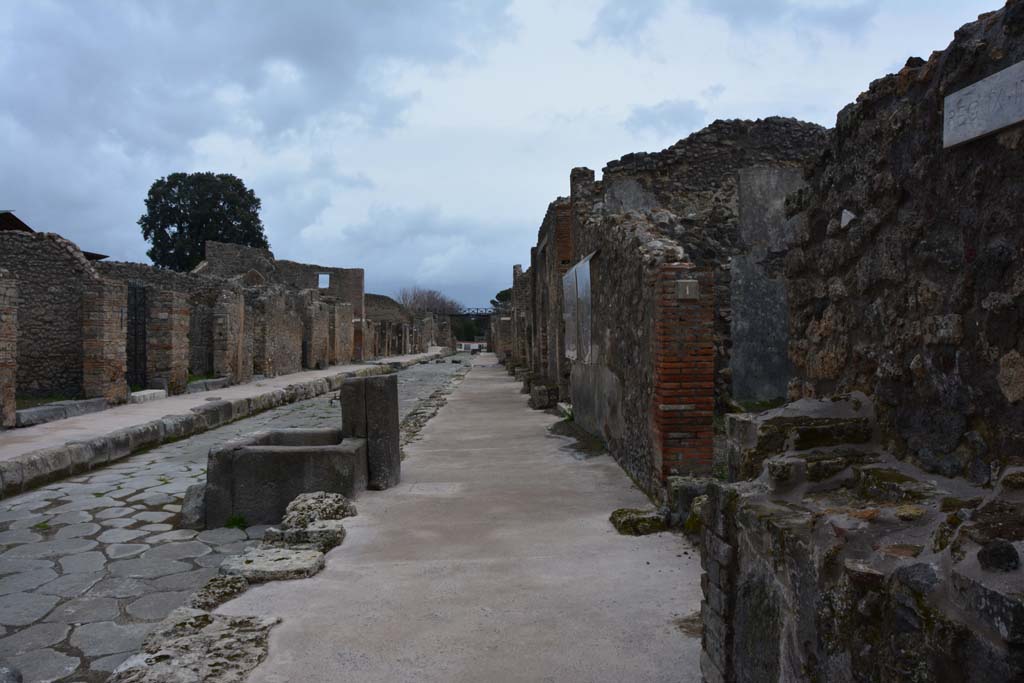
<point x="638" y="522"/>
<point x="369" y="406"/>
<point x="255" y="478"/>
<point x="266" y="563"/>
<point x="193" y="508"/>
<point x="192" y="645"/>
<point x="324" y="535"/>
<point x="217" y="591"/>
<point x="319" y="505"/>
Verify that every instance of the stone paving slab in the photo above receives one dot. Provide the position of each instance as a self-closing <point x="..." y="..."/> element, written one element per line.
<point x="35" y="455"/>
<point x="89" y="564"/>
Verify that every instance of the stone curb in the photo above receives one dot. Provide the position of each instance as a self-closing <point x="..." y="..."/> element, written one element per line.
<point x="36" y="468"/>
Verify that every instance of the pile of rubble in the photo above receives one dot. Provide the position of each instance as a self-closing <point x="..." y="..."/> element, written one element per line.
<point x="194" y="645"/>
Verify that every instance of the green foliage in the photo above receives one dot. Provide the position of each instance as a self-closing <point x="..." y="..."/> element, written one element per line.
<point x="236" y="522"/>
<point x="184" y="210"/>
<point x="502" y="298"/>
<point x="468" y="329"/>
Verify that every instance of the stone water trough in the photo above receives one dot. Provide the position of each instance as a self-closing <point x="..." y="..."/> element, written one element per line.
<point x="252" y="479"/>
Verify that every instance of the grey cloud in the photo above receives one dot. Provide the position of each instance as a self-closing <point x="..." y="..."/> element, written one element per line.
<point x="100" y="99"/>
<point x="621" y="20"/>
<point x="465" y="259"/>
<point x="851" y="18"/>
<point x="670" y="118"/>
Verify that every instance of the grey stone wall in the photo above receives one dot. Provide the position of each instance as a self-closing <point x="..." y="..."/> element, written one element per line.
<point x="908" y="283"/>
<point x="52" y="275"/>
<point x="277" y="330"/>
<point x="8" y="348"/>
<point x="758" y="311"/>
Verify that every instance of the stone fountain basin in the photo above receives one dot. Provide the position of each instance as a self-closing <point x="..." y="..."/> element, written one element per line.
<point x="252" y="479"/>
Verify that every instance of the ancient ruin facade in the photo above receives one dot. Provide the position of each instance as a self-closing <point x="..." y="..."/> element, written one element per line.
<point x="627" y="308"/>
<point x="877" y="532"/>
<point x="73" y="326"/>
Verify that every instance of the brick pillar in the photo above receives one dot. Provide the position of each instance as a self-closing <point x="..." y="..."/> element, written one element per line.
<point x="8" y="347"/>
<point x="167" y="353"/>
<point x="104" y="331"/>
<point x="684" y="373"/>
<point x="228" y="335"/>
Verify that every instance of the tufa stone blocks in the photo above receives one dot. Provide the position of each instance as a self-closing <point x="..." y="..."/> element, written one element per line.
<point x="369" y="409"/>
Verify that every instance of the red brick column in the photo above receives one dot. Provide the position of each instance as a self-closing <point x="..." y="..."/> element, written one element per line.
<point x="104" y="333"/>
<point x="8" y="347"/>
<point x="684" y="372"/>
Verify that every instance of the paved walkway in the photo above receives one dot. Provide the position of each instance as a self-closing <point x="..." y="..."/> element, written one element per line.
<point x="89" y="564"/>
<point x="15" y="442"/>
<point x="493" y="561"/>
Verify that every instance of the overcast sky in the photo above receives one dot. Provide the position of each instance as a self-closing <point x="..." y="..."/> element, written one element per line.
<point x="420" y="140"/>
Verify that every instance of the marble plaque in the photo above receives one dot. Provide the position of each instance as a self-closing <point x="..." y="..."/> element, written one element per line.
<point x="985" y="107"/>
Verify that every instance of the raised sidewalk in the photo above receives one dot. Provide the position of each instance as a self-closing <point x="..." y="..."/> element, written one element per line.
<point x="32" y="456"/>
<point x="492" y="560"/>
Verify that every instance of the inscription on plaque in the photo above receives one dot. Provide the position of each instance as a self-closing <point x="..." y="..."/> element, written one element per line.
<point x="985" y="107"/>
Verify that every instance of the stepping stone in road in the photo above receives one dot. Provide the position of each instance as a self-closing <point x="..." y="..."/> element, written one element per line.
<point x="22" y="609"/>
<point x="273" y="564"/>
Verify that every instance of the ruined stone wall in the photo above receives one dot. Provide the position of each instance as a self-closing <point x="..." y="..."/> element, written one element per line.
<point x="500" y="340"/>
<point x="104" y="328"/>
<point x="202" y="298"/>
<point x="522" y="328"/>
<point x="841" y="563"/>
<point x="643" y="369"/>
<point x="277" y="330"/>
<point x="315" y="332"/>
<point x="380" y="307"/>
<point x="550" y="260"/>
<point x="52" y="276"/>
<point x="231" y="260"/>
<point x="559" y="259"/>
<point x="340" y="334"/>
<point x="698" y="184"/>
<point x="226" y="260"/>
<point x="167" y="329"/>
<point x="232" y="353"/>
<point x="8" y="348"/>
<point x="908" y="283"/>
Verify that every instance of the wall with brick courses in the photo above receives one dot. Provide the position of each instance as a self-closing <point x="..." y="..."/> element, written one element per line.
<point x="277" y="330"/>
<point x="8" y="348"/>
<point x="104" y="329"/>
<point x="232" y="352"/>
<point x="231" y="260"/>
<point x="614" y="391"/>
<point x="52" y="275"/>
<point x="202" y="298"/>
<point x="315" y="332"/>
<point x="340" y="334"/>
<point x="683" y="407"/>
<point x="167" y="330"/>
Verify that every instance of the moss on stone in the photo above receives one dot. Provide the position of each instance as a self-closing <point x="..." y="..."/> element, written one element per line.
<point x="631" y="522"/>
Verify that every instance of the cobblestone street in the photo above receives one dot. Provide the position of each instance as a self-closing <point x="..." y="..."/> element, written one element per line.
<point x="89" y="564"/>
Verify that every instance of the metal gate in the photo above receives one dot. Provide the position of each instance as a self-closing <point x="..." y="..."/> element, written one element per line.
<point x="136" y="342"/>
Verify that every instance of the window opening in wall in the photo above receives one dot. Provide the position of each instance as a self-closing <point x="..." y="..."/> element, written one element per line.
<point x="323" y="280"/>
